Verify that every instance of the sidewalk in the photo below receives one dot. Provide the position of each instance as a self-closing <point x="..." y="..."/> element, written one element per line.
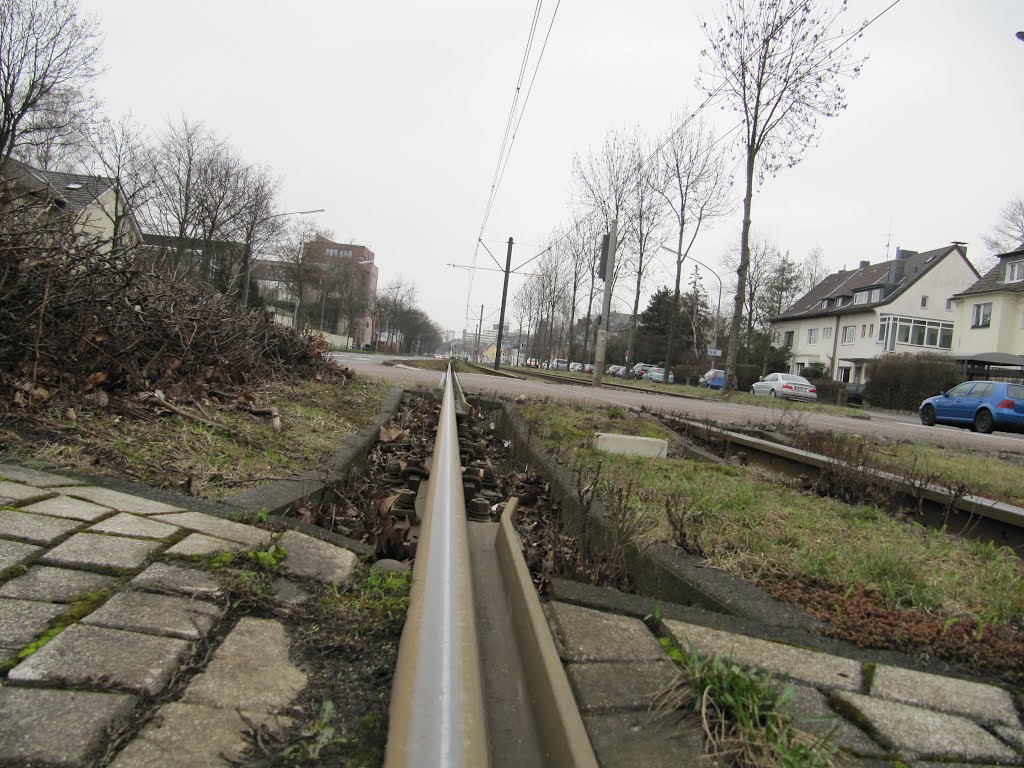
<point x="103" y="610"/>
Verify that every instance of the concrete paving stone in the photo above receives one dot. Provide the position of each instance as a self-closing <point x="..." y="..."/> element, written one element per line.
<point x="98" y="657"/>
<point x="813" y="715"/>
<point x="124" y="524"/>
<point x="160" y="577"/>
<point x="615" y="686"/>
<point x="122" y="502"/>
<point x="190" y="735"/>
<point x="315" y="559"/>
<point x="72" y="509"/>
<point x="201" y="545"/>
<point x="91" y="550"/>
<point x="15" y="492"/>
<point x="54" y="585"/>
<point x="818" y="669"/>
<point x="632" y="739"/>
<point x="34" y="477"/>
<point x="1012" y="736"/>
<point x="250" y="670"/>
<point x="588" y="635"/>
<point x="153" y="614"/>
<point x="34" y="529"/>
<point x="22" y="621"/>
<point x="14" y="553"/>
<point x="631" y="445"/>
<point x="215" y="526"/>
<point x="978" y="701"/>
<point x="288" y="592"/>
<point x="58" y="728"/>
<point x="924" y="734"/>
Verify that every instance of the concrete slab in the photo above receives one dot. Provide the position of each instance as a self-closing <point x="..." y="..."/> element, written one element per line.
<point x="813" y="715"/>
<point x="613" y="686"/>
<point x="97" y="552"/>
<point x="189" y="735"/>
<point x="1012" y="736"/>
<point x="14" y="492"/>
<point x="54" y="585"/>
<point x="981" y="702"/>
<point x="923" y="734"/>
<point x="288" y="592"/>
<point x="250" y="671"/>
<point x="152" y="614"/>
<point x="65" y="728"/>
<point x="122" y="502"/>
<point x="215" y="526"/>
<point x="814" y="667"/>
<point x="124" y="524"/>
<point x="315" y="559"/>
<point x="631" y="445"/>
<point x="14" y="553"/>
<point x="587" y="635"/>
<point x="201" y="545"/>
<point x="160" y="577"/>
<point x="107" y="659"/>
<point x="34" y="477"/>
<point x="632" y="739"/>
<point x="34" y="529"/>
<point x="67" y="507"/>
<point x="22" y="621"/>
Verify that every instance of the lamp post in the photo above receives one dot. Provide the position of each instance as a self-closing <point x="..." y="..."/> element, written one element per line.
<point x="248" y="260"/>
<point x="718" y="308"/>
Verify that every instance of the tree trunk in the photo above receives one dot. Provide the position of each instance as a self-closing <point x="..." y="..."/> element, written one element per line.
<point x="741" y="275"/>
<point x="675" y="304"/>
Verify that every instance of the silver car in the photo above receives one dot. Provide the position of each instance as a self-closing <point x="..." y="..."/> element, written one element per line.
<point x="785" y="385"/>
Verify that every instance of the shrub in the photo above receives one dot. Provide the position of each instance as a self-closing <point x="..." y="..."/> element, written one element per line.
<point x="903" y="380"/>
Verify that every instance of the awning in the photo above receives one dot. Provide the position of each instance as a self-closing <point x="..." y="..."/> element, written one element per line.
<point x="993" y="358"/>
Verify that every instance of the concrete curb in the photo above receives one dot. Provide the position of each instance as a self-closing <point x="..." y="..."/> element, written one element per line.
<point x="559" y="722"/>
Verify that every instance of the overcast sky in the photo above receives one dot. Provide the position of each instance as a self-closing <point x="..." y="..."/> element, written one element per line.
<point x="390" y="116"/>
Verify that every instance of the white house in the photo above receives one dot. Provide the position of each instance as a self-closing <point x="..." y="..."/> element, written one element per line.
<point x="853" y="316"/>
<point x="989" y="315"/>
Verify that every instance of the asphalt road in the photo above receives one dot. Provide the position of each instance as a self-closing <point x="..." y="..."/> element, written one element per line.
<point x="880" y="424"/>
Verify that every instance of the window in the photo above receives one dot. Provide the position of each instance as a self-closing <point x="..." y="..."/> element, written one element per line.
<point x="1015" y="272"/>
<point x="849" y="334"/>
<point x="949" y="304"/>
<point x="787" y="339"/>
<point x="981" y="315"/>
<point x="812" y="335"/>
<point x="946" y="336"/>
<point x="826" y="303"/>
<point x="864" y="330"/>
<point x="984" y="389"/>
<point x="826" y="333"/>
<point x="843" y="374"/>
<point x="924" y="302"/>
<point x="861" y="297"/>
<point x="799" y="368"/>
<point x="917" y="333"/>
<point x="876" y="294"/>
<point x="871" y="329"/>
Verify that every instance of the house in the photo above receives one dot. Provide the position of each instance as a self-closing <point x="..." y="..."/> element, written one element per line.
<point x="989" y="316"/>
<point x="93" y="204"/>
<point x="853" y="316"/>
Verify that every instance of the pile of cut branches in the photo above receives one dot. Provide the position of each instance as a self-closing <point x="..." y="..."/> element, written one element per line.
<point x="83" y="322"/>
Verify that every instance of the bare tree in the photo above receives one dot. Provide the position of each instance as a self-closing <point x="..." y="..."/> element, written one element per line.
<point x="257" y="223"/>
<point x="48" y="58"/>
<point x="1007" y="233"/>
<point x="398" y="297"/>
<point x="778" y="63"/>
<point x="122" y="152"/>
<point x="695" y="187"/>
<point x="292" y="268"/>
<point x="813" y="267"/>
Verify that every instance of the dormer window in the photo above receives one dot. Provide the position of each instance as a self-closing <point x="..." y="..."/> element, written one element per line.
<point x="1015" y="272"/>
<point x="826" y="303"/>
<point x="861" y="297"/>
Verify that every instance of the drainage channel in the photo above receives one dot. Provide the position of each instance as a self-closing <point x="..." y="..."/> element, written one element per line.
<point x="478" y="681"/>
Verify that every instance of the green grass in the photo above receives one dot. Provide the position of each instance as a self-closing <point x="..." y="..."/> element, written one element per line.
<point x="750" y="523"/>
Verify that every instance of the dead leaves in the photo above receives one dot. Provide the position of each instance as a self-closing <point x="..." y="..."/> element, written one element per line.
<point x="391" y="434"/>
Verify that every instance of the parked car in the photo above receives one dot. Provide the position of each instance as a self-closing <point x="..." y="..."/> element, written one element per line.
<point x="638" y="370"/>
<point x="713" y="379"/>
<point x="980" y="405"/>
<point x="855" y="394"/>
<point x="613" y="370"/>
<point x="577" y="367"/>
<point x="657" y="375"/>
<point x="785" y="385"/>
<point x="560" y="365"/>
<point x="588" y="367"/>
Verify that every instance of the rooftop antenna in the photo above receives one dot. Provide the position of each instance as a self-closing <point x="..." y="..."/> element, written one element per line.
<point x="888" y="238"/>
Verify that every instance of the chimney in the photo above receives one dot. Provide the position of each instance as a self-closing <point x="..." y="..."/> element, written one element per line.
<point x="897" y="265"/>
<point x="962" y="246"/>
<point x="865" y="264"/>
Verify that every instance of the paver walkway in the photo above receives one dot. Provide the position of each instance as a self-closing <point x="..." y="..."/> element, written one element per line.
<point x="102" y="611"/>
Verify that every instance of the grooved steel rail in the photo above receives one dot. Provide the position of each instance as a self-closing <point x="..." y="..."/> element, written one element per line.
<point x="439" y="718"/>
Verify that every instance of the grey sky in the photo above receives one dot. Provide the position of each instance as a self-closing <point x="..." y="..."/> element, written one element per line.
<point x="390" y="116"/>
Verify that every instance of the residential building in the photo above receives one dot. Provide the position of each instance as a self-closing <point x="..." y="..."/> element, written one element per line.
<point x="854" y="316"/>
<point x="93" y="204"/>
<point x="989" y="315"/>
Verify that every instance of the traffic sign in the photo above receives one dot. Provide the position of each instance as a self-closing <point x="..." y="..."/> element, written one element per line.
<point x="715" y="352"/>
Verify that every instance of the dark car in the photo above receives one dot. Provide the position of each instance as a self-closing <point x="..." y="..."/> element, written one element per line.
<point x="980" y="405"/>
<point x="855" y="394"/>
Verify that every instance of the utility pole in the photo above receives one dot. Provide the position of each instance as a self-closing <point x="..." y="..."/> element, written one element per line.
<point x="479" y="323"/>
<point x="606" y="305"/>
<point x="504" y="296"/>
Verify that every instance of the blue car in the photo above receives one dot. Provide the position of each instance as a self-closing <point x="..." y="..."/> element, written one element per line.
<point x="980" y="405"/>
<point x="713" y="379"/>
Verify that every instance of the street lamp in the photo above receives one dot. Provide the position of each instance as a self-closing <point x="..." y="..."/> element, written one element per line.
<point x="718" y="309"/>
<point x="248" y="261"/>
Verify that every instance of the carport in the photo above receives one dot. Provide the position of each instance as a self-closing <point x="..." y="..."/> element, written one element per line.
<point x="992" y="365"/>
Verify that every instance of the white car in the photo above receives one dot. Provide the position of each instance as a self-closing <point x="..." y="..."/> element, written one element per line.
<point x="786" y="385"/>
